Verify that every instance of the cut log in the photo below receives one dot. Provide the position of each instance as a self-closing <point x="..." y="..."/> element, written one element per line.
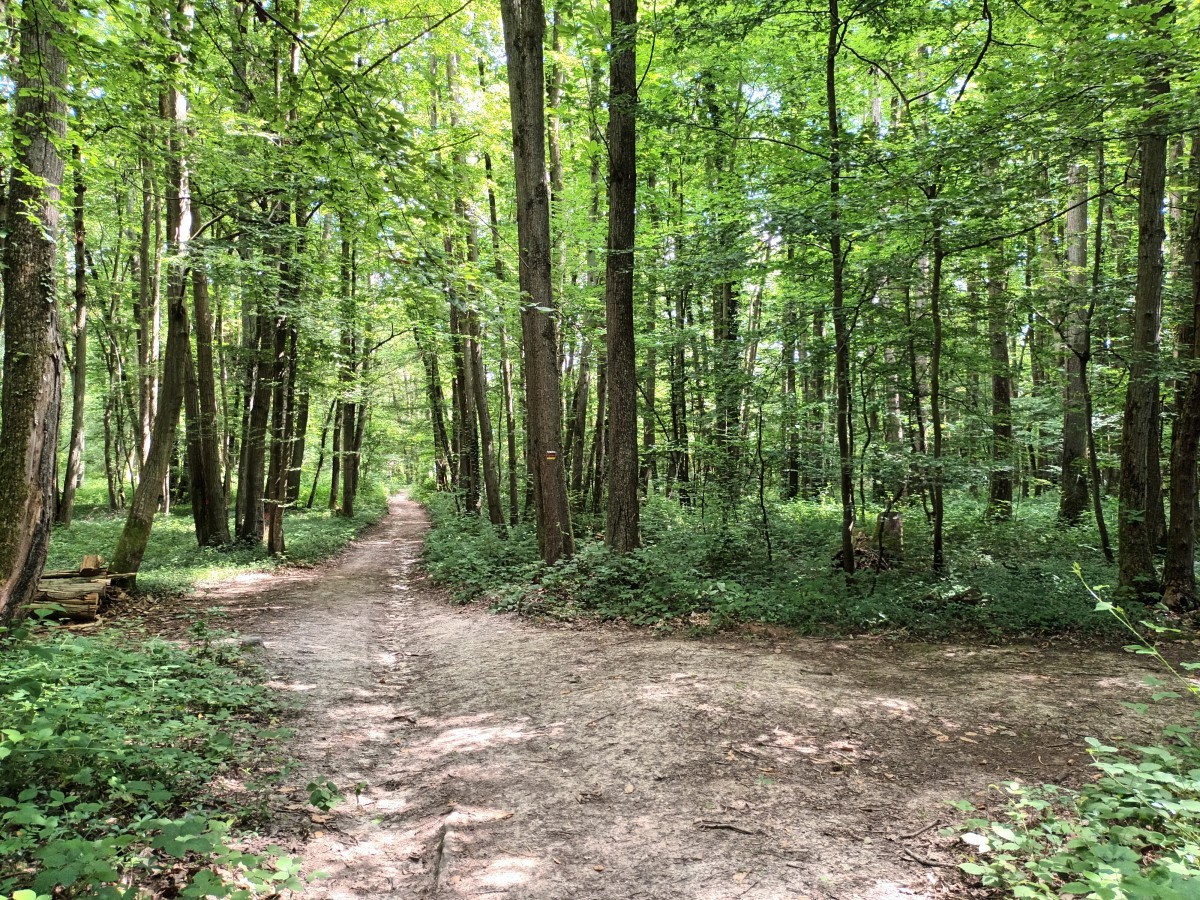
<point x="82" y="608"/>
<point x="92" y="564"/>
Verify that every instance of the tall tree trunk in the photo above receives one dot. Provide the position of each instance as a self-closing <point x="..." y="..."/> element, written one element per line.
<point x="73" y="474"/>
<point x="840" y="328"/>
<point x="506" y="372"/>
<point x="437" y="416"/>
<point x="144" y="311"/>
<point x="1139" y="431"/>
<point x="937" y="482"/>
<point x="1179" y="569"/>
<point x="329" y="418"/>
<point x="31" y="397"/>
<point x="1073" y="503"/>
<point x="131" y="547"/>
<point x="1000" y="490"/>
<point x="487" y="441"/>
<point x="524" y="27"/>
<point x="791" y="430"/>
<point x="252" y="478"/>
<point x="621" y="528"/>
<point x="335" y="459"/>
<point x="299" y="442"/>
<point x="209" y="509"/>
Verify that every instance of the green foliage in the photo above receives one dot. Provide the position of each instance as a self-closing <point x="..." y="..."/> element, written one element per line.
<point x="174" y="565"/>
<point x="110" y="745"/>
<point x="1133" y="833"/>
<point x="699" y="572"/>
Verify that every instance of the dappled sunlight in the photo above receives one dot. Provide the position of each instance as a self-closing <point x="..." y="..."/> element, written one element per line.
<point x="508" y="872"/>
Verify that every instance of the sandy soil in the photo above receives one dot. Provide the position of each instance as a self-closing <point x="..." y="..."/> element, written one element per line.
<point x="500" y="757"/>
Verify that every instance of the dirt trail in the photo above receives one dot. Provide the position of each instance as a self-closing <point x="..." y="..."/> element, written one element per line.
<point x="505" y="758"/>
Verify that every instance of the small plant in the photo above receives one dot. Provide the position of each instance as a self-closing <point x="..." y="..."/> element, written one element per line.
<point x="109" y="747"/>
<point x="324" y="796"/>
<point x="1131" y="834"/>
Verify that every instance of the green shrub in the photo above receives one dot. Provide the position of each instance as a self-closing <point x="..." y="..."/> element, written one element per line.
<point x="698" y="569"/>
<point x="108" y="749"/>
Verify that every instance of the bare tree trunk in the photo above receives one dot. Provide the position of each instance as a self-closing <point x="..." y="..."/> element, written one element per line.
<point x="312" y="491"/>
<point x="1179" y="569"/>
<point x="73" y="474"/>
<point x="335" y="460"/>
<point x="840" y="329"/>
<point x="936" y="483"/>
<point x="209" y="508"/>
<point x="1139" y="445"/>
<point x="1074" y="498"/>
<point x="524" y="27"/>
<point x="251" y="479"/>
<point x="31" y="397"/>
<point x="1000" y="491"/>
<point x="791" y="431"/>
<point x="131" y="547"/>
<point x="621" y="528"/>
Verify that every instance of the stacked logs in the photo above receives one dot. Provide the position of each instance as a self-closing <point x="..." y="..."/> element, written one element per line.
<point x="77" y="595"/>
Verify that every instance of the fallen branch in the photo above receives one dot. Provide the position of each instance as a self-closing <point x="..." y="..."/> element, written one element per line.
<point x="724" y="826"/>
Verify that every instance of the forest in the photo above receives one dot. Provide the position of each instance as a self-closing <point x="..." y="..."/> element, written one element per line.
<point x="826" y="319"/>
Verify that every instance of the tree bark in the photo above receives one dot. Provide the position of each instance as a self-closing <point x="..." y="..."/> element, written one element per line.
<point x="621" y="528"/>
<point x="1073" y="502"/>
<point x="131" y="547"/>
<point x="73" y="473"/>
<point x="1000" y="490"/>
<point x="1179" y="569"/>
<point x="524" y="27"/>
<point x="31" y="397"/>
<point x="1139" y="432"/>
<point x="840" y="329"/>
<point x="209" y="510"/>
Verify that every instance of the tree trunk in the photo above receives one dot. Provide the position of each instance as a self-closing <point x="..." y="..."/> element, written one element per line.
<point x="936" y="483"/>
<point x="73" y="474"/>
<point x="1000" y="490"/>
<point x="1179" y="569"/>
<point x="31" y="396"/>
<point x="840" y="329"/>
<point x="251" y="479"/>
<point x="312" y="491"/>
<point x="299" y="442"/>
<point x="524" y="27"/>
<point x="487" y="441"/>
<point x="1074" y="498"/>
<point x="621" y="529"/>
<point x="1139" y="431"/>
<point x="131" y="547"/>
<point x="335" y="459"/>
<point x="209" y="510"/>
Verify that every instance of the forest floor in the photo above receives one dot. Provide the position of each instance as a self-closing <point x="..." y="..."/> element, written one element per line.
<point x="496" y="756"/>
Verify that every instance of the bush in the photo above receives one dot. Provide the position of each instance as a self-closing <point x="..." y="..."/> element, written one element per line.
<point x="109" y="745"/>
<point x="697" y="569"/>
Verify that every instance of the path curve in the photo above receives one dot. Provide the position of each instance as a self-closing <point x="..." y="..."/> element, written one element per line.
<point x="505" y="758"/>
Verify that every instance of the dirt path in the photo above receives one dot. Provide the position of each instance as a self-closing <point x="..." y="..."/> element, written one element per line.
<point x="500" y="757"/>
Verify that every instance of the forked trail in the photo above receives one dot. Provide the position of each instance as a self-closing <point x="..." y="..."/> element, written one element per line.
<point x="498" y="757"/>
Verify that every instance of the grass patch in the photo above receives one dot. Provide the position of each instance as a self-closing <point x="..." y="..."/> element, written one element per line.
<point x="702" y="571"/>
<point x="174" y="565"/>
<point x="125" y="765"/>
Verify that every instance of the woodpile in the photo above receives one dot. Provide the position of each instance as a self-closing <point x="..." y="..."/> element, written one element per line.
<point x="78" y="595"/>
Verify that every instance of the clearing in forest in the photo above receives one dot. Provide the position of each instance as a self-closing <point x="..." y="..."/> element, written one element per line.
<point x="493" y="756"/>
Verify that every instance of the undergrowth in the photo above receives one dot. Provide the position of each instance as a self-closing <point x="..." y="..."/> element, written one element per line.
<point x="174" y="565"/>
<point x="1132" y="833"/>
<point x="701" y="571"/>
<point x="124" y="768"/>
